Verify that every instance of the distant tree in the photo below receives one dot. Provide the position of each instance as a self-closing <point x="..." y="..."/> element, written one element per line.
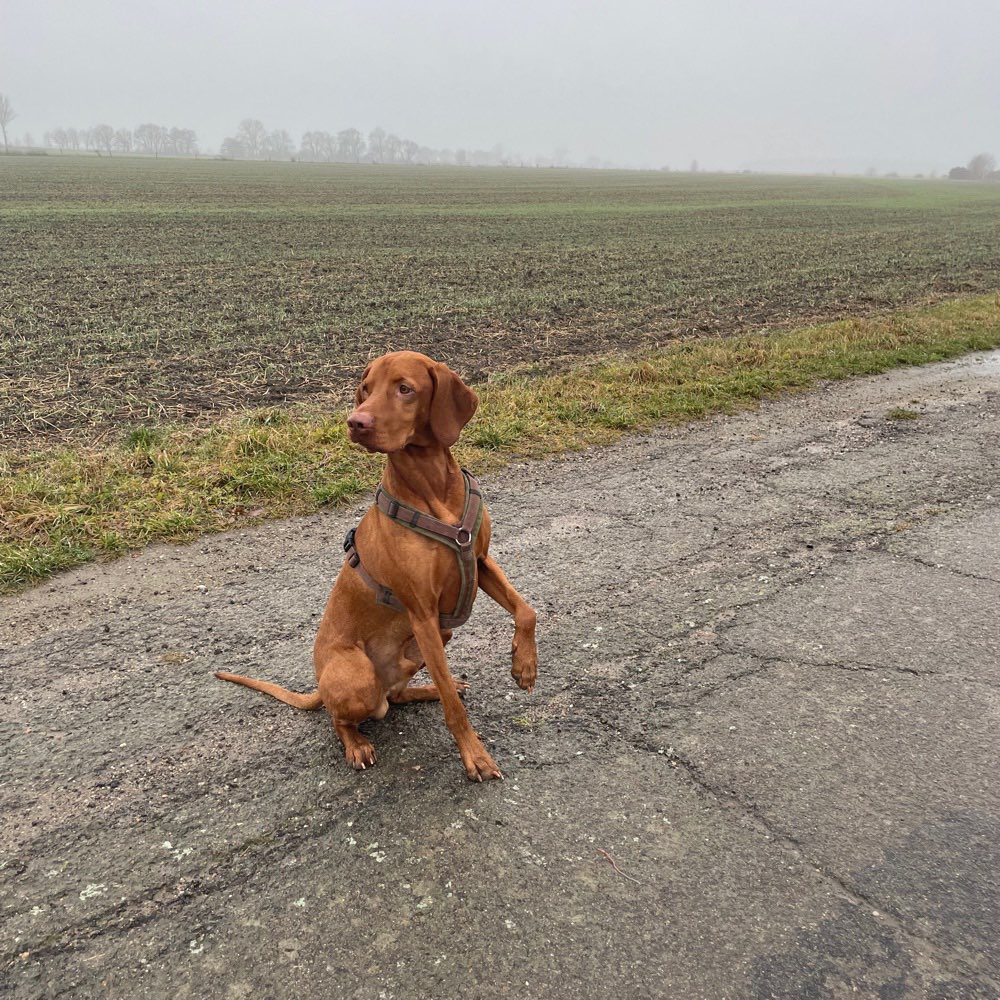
<point x="73" y="139"/>
<point x="327" y="143"/>
<point x="350" y="145"/>
<point x="309" y="147"/>
<point x="58" y="138"/>
<point x="959" y="174"/>
<point x="150" y="138"/>
<point x="317" y="146"/>
<point x="7" y="115"/>
<point x="981" y="165"/>
<point x="122" y="141"/>
<point x="376" y="144"/>
<point x="232" y="149"/>
<point x="694" y="166"/>
<point x="251" y="135"/>
<point x="410" y="151"/>
<point x="103" y="137"/>
<point x="28" y="140"/>
<point x="393" y="148"/>
<point x="278" y="145"/>
<point x="182" y="142"/>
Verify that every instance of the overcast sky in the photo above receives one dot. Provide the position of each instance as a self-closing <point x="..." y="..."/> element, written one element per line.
<point x="900" y="85"/>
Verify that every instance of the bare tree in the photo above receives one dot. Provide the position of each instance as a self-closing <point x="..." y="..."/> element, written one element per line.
<point x="350" y="145"/>
<point x="58" y="138"/>
<point x="182" y="142"/>
<point x="376" y="144"/>
<point x="981" y="165"/>
<point x="7" y="115"/>
<point x="316" y="146"/>
<point x="278" y="145"/>
<point x="232" y="149"/>
<point x="123" y="140"/>
<point x="102" y="137"/>
<point x="251" y="135"/>
<point x="393" y="148"/>
<point x="150" y="138"/>
<point x="326" y="146"/>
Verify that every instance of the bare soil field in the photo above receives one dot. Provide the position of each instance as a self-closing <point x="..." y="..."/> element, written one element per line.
<point x="137" y="291"/>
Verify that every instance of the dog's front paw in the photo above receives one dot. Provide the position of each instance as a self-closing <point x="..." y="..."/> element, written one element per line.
<point x="479" y="765"/>
<point x="360" y="754"/>
<point x="524" y="669"/>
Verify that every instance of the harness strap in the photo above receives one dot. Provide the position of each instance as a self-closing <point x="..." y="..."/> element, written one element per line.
<point x="460" y="538"/>
<point x="383" y="595"/>
<point x="460" y="535"/>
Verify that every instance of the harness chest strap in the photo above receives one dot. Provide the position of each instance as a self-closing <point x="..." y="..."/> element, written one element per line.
<point x="460" y="538"/>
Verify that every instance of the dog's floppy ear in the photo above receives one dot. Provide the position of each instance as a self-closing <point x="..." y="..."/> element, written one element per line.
<point x="453" y="404"/>
<point x="357" y="392"/>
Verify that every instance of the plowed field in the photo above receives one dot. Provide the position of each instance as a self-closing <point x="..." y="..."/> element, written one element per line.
<point x="135" y="291"/>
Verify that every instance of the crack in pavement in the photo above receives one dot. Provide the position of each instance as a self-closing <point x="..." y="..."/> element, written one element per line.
<point x="965" y="574"/>
<point x="746" y="815"/>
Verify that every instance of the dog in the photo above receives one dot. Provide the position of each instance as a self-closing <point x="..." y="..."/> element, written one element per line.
<point x="413" y="567"/>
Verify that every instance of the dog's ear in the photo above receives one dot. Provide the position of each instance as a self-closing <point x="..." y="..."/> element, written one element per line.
<point x="357" y="392"/>
<point x="452" y="406"/>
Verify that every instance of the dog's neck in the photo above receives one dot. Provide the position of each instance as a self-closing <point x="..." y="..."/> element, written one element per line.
<point x="427" y="478"/>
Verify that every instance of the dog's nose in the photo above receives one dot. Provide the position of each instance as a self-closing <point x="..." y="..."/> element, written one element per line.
<point x="360" y="422"/>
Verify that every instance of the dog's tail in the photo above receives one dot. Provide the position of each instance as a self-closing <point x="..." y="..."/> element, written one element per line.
<point x="306" y="701"/>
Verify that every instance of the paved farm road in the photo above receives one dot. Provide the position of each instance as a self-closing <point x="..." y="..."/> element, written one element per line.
<point x="761" y="760"/>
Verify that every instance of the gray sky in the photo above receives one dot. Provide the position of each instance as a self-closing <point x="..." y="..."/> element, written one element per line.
<point x="902" y="85"/>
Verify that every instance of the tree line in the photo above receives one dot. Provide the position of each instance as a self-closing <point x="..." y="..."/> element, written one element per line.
<point x="254" y="141"/>
<point x="156" y="140"/>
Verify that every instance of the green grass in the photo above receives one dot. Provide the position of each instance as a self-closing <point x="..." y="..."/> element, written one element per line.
<point x="64" y="506"/>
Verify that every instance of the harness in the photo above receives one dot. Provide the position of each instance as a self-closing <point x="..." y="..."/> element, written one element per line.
<point x="460" y="538"/>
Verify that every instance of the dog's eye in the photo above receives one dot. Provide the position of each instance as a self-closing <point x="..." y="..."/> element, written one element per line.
<point x="405" y="389"/>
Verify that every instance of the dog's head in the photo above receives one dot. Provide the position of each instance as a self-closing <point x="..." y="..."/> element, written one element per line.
<point x="407" y="399"/>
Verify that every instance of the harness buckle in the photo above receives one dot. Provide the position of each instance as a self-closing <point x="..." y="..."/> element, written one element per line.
<point x="349" y="540"/>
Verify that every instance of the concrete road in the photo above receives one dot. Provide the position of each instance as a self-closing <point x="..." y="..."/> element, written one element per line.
<point x="762" y="759"/>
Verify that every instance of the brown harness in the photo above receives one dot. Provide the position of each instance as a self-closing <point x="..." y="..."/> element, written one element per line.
<point x="460" y="538"/>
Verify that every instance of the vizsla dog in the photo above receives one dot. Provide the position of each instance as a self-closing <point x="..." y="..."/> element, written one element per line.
<point x="420" y="541"/>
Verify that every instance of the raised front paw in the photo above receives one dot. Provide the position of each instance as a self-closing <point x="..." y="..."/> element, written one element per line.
<point x="524" y="659"/>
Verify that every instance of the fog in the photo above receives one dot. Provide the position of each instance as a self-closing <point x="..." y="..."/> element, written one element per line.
<point x="894" y="85"/>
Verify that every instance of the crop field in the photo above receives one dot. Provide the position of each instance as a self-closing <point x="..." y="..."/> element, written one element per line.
<point x="138" y="292"/>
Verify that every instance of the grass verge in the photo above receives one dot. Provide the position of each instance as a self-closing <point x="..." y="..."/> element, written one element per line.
<point x="62" y="507"/>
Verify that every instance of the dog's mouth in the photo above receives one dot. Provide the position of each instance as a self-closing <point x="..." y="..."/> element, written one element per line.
<point x="365" y="438"/>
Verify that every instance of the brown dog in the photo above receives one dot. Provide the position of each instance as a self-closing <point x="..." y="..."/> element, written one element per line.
<point x="412" y="409"/>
